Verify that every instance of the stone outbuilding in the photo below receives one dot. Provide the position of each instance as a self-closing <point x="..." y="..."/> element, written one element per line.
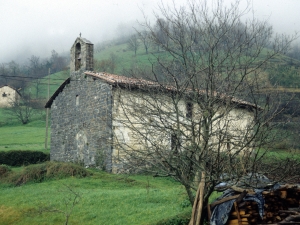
<point x="8" y="95"/>
<point x="88" y="124"/>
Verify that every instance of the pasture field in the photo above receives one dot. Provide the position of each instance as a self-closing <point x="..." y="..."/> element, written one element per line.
<point x="15" y="136"/>
<point x="104" y="199"/>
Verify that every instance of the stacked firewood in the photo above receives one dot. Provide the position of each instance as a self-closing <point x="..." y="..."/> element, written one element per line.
<point x="281" y="207"/>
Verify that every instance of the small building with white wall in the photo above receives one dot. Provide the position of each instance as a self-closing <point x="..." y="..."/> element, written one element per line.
<point x="8" y="95"/>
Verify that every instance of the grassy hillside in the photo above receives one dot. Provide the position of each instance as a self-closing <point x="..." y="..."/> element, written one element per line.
<point x="125" y="59"/>
<point x="283" y="70"/>
<point x="55" y="81"/>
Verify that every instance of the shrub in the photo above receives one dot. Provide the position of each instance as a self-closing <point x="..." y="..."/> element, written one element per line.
<point x="19" y="157"/>
<point x="32" y="173"/>
<point x="4" y="170"/>
<point x="45" y="171"/>
<point x="61" y="169"/>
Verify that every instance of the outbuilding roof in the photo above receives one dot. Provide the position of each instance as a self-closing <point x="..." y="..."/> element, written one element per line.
<point x="11" y="88"/>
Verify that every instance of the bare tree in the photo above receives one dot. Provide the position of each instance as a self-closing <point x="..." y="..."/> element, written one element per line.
<point x="160" y="31"/>
<point x="58" y="63"/>
<point x="106" y="65"/>
<point x="70" y="198"/>
<point x="21" y="108"/>
<point x="190" y="120"/>
<point x="133" y="43"/>
<point x="14" y="68"/>
<point x="145" y="39"/>
<point x="34" y="65"/>
<point x="3" y="73"/>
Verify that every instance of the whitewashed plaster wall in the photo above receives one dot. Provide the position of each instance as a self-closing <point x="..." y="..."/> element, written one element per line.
<point x="7" y="96"/>
<point x="136" y="115"/>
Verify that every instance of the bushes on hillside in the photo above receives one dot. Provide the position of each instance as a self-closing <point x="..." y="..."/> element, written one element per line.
<point x="20" y="158"/>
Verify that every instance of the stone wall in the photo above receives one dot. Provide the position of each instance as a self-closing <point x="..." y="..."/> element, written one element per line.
<point x="81" y="122"/>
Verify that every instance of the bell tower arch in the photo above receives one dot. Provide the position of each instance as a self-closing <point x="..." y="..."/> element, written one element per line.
<point x="82" y="55"/>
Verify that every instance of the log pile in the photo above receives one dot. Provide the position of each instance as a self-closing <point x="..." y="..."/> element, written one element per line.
<point x="281" y="207"/>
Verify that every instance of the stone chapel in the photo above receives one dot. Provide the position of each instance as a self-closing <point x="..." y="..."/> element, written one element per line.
<point x="88" y="122"/>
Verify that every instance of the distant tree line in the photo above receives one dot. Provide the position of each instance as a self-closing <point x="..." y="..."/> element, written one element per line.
<point x="162" y="29"/>
<point x="26" y="76"/>
<point x="20" y="76"/>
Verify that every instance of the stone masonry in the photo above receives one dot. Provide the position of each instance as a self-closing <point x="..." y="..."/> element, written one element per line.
<point x="81" y="54"/>
<point x="81" y="114"/>
<point x="81" y="122"/>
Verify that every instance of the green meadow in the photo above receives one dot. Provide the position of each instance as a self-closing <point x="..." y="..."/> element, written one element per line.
<point x="102" y="199"/>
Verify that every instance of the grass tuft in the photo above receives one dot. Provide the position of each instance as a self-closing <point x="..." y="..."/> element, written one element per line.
<point x="9" y="215"/>
<point x="4" y="170"/>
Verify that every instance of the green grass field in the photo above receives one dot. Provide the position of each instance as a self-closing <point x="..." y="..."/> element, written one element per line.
<point x="15" y="136"/>
<point x="105" y="199"/>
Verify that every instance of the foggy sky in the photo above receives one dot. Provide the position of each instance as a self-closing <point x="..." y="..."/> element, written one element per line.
<point x="35" y="27"/>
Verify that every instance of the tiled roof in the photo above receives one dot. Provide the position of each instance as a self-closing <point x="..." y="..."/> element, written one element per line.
<point x="137" y="83"/>
<point x="122" y="80"/>
<point x="142" y="83"/>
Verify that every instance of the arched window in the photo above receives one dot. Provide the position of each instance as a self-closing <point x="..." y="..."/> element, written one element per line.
<point x="77" y="100"/>
<point x="77" y="56"/>
<point x="175" y="142"/>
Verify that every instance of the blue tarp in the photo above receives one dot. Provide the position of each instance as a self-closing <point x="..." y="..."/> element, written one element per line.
<point x="221" y="211"/>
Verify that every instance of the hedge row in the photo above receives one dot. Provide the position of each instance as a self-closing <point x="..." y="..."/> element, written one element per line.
<point x="20" y="158"/>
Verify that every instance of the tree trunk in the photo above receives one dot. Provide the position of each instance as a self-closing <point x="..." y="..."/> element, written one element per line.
<point x="198" y="203"/>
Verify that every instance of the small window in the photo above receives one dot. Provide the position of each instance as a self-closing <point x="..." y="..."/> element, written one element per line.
<point x="4" y="94"/>
<point x="77" y="100"/>
<point x="189" y="110"/>
<point x="175" y="143"/>
<point x="228" y="145"/>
